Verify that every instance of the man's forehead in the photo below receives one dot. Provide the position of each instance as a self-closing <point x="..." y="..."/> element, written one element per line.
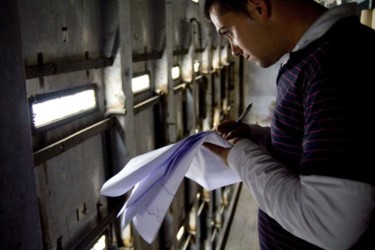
<point x="217" y="10"/>
<point x="219" y="18"/>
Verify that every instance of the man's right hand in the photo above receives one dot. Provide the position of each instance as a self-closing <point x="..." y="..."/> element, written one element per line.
<point x="231" y="130"/>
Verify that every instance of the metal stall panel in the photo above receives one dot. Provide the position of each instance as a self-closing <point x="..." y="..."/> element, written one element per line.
<point x="63" y="45"/>
<point x="180" y="113"/>
<point x="148" y="34"/>
<point x="68" y="186"/>
<point x="61" y="41"/>
<point x="147" y="25"/>
<point x="60" y="30"/>
<point x="145" y="132"/>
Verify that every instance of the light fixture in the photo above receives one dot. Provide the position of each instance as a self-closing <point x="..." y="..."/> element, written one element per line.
<point x="196" y="65"/>
<point x="193" y="220"/>
<point x="127" y="236"/>
<point x="53" y="107"/>
<point x="180" y="233"/>
<point x="100" y="244"/>
<point x="176" y="72"/>
<point x="140" y="83"/>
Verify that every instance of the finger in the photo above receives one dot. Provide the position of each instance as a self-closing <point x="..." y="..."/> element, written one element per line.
<point x="218" y="150"/>
<point x="241" y="130"/>
<point x="213" y="147"/>
<point x="225" y="127"/>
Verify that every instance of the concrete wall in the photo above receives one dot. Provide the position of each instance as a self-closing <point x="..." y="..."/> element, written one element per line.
<point x="19" y="214"/>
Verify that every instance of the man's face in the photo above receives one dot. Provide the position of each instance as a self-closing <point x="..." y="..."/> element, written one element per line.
<point x="247" y="34"/>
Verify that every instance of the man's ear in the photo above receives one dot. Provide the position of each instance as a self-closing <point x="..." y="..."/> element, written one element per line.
<point x="260" y="7"/>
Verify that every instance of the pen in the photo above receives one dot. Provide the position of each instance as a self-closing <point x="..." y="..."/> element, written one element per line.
<point x="243" y="115"/>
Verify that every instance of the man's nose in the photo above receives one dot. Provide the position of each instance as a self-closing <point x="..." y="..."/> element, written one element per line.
<point x="236" y="51"/>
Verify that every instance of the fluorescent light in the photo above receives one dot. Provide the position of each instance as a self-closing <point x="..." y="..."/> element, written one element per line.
<point x="195" y="1"/>
<point x="196" y="66"/>
<point x="140" y="83"/>
<point x="100" y="244"/>
<point x="193" y="219"/>
<point x="127" y="237"/>
<point x="180" y="233"/>
<point x="53" y="110"/>
<point x="175" y="72"/>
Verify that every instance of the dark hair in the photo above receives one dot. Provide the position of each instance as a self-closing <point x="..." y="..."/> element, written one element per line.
<point x="225" y="6"/>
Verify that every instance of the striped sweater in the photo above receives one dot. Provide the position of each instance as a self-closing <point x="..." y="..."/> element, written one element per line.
<point x="320" y="189"/>
<point x="322" y="120"/>
<point x="323" y="115"/>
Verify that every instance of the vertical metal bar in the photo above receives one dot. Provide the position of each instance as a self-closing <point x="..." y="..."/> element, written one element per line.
<point x="241" y="102"/>
<point x="194" y="89"/>
<point x="125" y="47"/>
<point x="229" y="214"/>
<point x="171" y="114"/>
<point x="127" y="73"/>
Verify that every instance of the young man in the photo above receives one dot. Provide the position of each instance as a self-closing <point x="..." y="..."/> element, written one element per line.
<point x="311" y="172"/>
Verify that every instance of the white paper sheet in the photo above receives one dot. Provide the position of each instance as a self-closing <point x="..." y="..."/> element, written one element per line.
<point x="157" y="175"/>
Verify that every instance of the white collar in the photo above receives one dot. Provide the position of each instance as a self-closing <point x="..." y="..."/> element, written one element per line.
<point x="322" y="25"/>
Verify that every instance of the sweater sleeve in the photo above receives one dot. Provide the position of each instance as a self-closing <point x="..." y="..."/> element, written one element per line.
<point x="329" y="212"/>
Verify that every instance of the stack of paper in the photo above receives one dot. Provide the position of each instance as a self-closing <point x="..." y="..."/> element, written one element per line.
<point x="157" y="175"/>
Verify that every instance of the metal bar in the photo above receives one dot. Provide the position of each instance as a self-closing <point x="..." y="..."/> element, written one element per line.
<point x="35" y="71"/>
<point x="98" y="230"/>
<point x="198" y="77"/>
<point x="146" y="104"/>
<point x="187" y="243"/>
<point x="241" y="83"/>
<point x="63" y="145"/>
<point x="229" y="218"/>
<point x="179" y="88"/>
<point x="140" y="57"/>
<point x="180" y="52"/>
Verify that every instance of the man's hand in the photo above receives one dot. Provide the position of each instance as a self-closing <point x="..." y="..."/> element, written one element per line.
<point x="218" y="150"/>
<point x="231" y="129"/>
<point x="233" y="132"/>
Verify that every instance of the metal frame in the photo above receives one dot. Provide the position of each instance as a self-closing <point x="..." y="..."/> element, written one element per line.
<point x="63" y="145"/>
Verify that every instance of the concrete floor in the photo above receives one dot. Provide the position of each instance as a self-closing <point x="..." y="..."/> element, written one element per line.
<point x="243" y="234"/>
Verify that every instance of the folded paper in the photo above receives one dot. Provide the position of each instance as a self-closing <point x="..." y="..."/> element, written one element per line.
<point x="154" y="178"/>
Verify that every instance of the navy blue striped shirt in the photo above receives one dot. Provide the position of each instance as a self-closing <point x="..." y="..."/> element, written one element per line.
<point x="323" y="117"/>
